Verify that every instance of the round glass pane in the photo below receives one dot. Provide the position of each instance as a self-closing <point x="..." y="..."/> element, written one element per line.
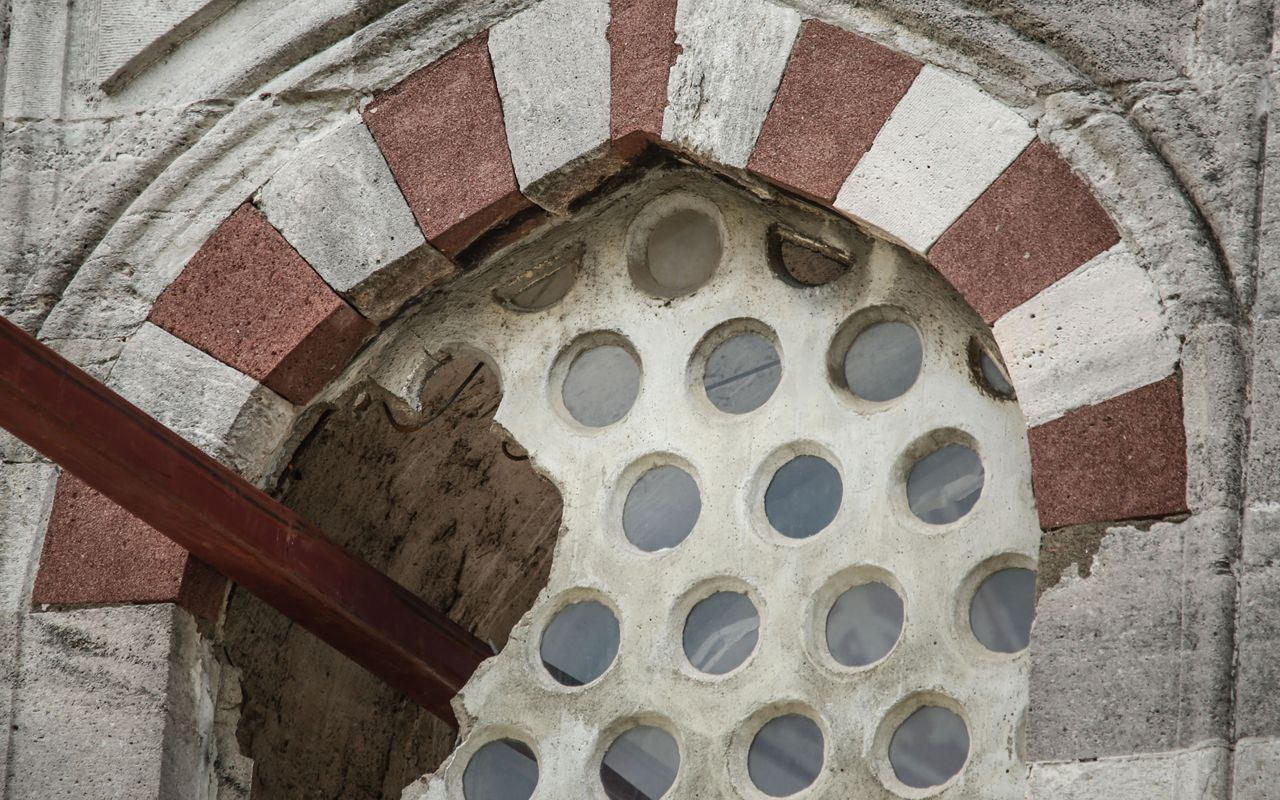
<point x="501" y="770"/>
<point x="786" y="755"/>
<point x="803" y="497"/>
<point x="864" y="624"/>
<point x="580" y="643"/>
<point x="682" y="252"/>
<point x="721" y="632"/>
<point x="641" y="764"/>
<point x="601" y="385"/>
<point x="994" y="376"/>
<point x="929" y="748"/>
<point x="944" y="485"/>
<point x="661" y="508"/>
<point x="883" y="361"/>
<point x="742" y="373"/>
<point x="1003" y="609"/>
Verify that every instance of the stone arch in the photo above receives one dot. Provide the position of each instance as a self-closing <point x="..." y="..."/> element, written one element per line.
<point x="1093" y="379"/>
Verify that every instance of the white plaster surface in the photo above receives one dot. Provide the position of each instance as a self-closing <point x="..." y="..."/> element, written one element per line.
<point x="1096" y="333"/>
<point x="723" y="83"/>
<point x="941" y="148"/>
<point x="222" y="411"/>
<point x="340" y="207"/>
<point x="1195" y="774"/>
<point x="732" y="458"/>
<point x="552" y="66"/>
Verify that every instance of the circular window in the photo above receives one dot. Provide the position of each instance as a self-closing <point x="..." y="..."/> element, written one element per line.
<point x="641" y="764"/>
<point x="929" y="748"/>
<point x="864" y="624"/>
<point x="786" y="755"/>
<point x="661" y="508"/>
<point x="1003" y="609"/>
<point x="944" y="485"/>
<point x="721" y="632"/>
<point x="601" y="385"/>
<point x="993" y="375"/>
<point x="580" y="643"/>
<point x="803" y="497"/>
<point x="742" y="373"/>
<point x="682" y="252"/>
<point x="883" y="361"/>
<point x="501" y="770"/>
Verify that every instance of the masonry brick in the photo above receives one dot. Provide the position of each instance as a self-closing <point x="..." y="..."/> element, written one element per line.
<point x="96" y="553"/>
<point x="835" y="95"/>
<point x="1033" y="225"/>
<point x="1124" y="458"/>
<point x="642" y="47"/>
<point x="443" y="135"/>
<point x="248" y="299"/>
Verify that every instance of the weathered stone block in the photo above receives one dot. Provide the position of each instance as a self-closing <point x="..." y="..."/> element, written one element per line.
<point x="26" y="494"/>
<point x="1137" y="657"/>
<point x="93" y="716"/>
<point x="725" y="79"/>
<point x="1199" y="774"/>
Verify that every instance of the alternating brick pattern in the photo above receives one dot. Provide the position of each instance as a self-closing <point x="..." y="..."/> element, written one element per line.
<point x="1036" y="223"/>
<point x="248" y="299"/>
<point x="1124" y="458"/>
<point x="929" y="158"/>
<point x="836" y="94"/>
<point x="96" y="553"/>
<point x="443" y="135"/>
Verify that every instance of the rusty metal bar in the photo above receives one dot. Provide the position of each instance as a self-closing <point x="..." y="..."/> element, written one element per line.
<point x="228" y="523"/>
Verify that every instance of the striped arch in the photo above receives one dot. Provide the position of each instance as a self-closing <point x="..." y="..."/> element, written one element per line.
<point x="504" y="132"/>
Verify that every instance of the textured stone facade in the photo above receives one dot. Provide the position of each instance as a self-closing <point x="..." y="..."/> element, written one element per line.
<point x="1094" y="178"/>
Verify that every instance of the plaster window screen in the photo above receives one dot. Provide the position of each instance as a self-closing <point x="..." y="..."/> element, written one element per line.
<point x="799" y="541"/>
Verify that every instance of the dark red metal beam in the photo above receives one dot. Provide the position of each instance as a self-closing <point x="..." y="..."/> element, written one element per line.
<point x="225" y="521"/>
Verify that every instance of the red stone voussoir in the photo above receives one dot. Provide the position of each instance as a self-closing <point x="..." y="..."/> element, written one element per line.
<point x="443" y="135"/>
<point x="836" y="93"/>
<point x="1124" y="458"/>
<point x="642" y="50"/>
<point x="249" y="300"/>
<point x="1033" y="225"/>
<point x="96" y="553"/>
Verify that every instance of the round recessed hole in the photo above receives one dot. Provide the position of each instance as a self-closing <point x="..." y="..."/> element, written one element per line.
<point x="944" y="485"/>
<point x="883" y="361"/>
<point x="601" y="385"/>
<point x="641" y="764"/>
<point x="661" y="508"/>
<point x="864" y="624"/>
<point x="801" y="261"/>
<point x="580" y="643"/>
<point x="786" y="755"/>
<point x="741" y="373"/>
<point x="542" y="286"/>
<point x="721" y="632"/>
<point x="1003" y="609"/>
<point x="803" y="496"/>
<point x="505" y="769"/>
<point x="929" y="748"/>
<point x="681" y="252"/>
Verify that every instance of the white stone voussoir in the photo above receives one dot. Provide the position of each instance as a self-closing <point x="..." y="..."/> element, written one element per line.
<point x="341" y="209"/>
<point x="724" y="81"/>
<point x="222" y="411"/>
<point x="551" y="63"/>
<point x="944" y="144"/>
<point x="1096" y="333"/>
